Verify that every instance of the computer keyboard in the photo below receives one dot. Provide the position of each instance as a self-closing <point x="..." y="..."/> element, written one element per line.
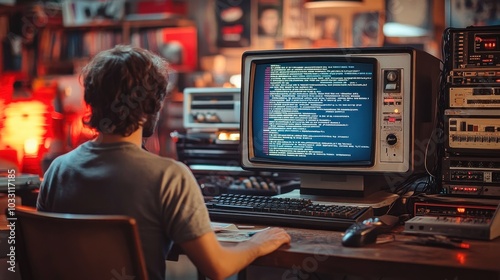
<point x="290" y="212"/>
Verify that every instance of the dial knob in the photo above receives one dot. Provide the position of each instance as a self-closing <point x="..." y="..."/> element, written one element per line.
<point x="199" y="117"/>
<point x="391" y="139"/>
<point x="391" y="76"/>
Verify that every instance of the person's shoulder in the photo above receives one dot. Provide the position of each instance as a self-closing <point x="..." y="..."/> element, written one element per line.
<point x="67" y="156"/>
<point x="166" y="162"/>
<point x="175" y="165"/>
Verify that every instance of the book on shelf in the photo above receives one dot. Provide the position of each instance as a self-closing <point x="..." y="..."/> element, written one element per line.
<point x="57" y="44"/>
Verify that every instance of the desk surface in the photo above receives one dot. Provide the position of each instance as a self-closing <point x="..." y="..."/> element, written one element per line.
<point x="321" y="251"/>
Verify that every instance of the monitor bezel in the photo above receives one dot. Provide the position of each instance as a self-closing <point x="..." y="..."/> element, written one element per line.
<point x="373" y="62"/>
<point x="403" y="58"/>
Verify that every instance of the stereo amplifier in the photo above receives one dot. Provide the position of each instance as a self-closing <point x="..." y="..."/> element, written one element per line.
<point x="484" y="228"/>
<point x="453" y="210"/>
<point x="474" y="97"/>
<point x="474" y="56"/>
<point x="471" y="176"/>
<point x="473" y="131"/>
<point x="212" y="108"/>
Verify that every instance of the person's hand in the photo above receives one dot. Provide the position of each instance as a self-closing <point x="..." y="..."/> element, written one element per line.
<point x="270" y="240"/>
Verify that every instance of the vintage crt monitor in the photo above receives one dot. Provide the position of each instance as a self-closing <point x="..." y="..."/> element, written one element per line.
<point x="349" y="121"/>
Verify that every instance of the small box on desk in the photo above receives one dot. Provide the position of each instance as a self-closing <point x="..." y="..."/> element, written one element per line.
<point x="456" y="217"/>
<point x="444" y="205"/>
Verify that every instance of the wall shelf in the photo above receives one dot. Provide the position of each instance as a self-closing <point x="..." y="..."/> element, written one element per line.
<point x="59" y="45"/>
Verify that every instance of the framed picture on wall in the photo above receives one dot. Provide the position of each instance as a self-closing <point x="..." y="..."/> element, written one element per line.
<point x="463" y="13"/>
<point x="332" y="25"/>
<point x="367" y="29"/>
<point x="233" y="23"/>
<point x="294" y="19"/>
<point x="78" y="13"/>
<point x="326" y="31"/>
<point x="269" y="18"/>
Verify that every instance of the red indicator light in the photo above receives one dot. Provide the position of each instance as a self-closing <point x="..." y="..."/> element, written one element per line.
<point x="489" y="45"/>
<point x="461" y="258"/>
<point x="391" y="119"/>
<point x="464" y="245"/>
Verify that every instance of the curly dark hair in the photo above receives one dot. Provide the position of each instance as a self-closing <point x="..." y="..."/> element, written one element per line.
<point x="123" y="86"/>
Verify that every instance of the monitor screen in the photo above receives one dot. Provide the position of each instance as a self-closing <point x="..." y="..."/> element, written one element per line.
<point x="318" y="111"/>
<point x="347" y="117"/>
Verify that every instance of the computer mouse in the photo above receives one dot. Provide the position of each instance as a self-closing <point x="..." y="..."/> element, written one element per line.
<point x="366" y="232"/>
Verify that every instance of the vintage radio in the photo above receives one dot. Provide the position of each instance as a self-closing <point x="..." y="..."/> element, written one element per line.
<point x="472" y="67"/>
<point x="471" y="176"/>
<point x="212" y="108"/>
<point x="472" y="132"/>
<point x="473" y="55"/>
<point x="474" y="97"/>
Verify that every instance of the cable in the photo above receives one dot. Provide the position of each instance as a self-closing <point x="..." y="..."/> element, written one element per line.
<point x="437" y="135"/>
<point x="440" y="106"/>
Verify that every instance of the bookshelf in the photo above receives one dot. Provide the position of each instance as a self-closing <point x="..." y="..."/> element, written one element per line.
<point x="5" y="11"/>
<point x="64" y="49"/>
<point x="3" y="34"/>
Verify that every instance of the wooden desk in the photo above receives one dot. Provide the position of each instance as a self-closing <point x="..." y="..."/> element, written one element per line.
<point x="317" y="251"/>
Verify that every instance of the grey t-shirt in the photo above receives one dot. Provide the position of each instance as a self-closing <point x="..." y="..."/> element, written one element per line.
<point x="122" y="179"/>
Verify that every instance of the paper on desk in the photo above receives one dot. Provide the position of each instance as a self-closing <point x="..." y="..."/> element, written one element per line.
<point x="231" y="233"/>
<point x="217" y="227"/>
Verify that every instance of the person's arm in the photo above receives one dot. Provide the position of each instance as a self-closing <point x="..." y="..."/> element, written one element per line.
<point x="218" y="262"/>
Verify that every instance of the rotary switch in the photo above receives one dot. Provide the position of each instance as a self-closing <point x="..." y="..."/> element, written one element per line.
<point x="392" y="81"/>
<point x="392" y="76"/>
<point x="391" y="139"/>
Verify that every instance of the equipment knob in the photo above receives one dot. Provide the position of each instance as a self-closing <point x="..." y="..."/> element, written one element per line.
<point x="391" y="76"/>
<point x="212" y="117"/>
<point x="391" y="139"/>
<point x="199" y="117"/>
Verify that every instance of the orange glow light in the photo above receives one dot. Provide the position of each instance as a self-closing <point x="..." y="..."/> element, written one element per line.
<point x="31" y="146"/>
<point x="234" y="136"/>
<point x="24" y="126"/>
<point x="461" y="210"/>
<point x="223" y="136"/>
<point x="229" y="136"/>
